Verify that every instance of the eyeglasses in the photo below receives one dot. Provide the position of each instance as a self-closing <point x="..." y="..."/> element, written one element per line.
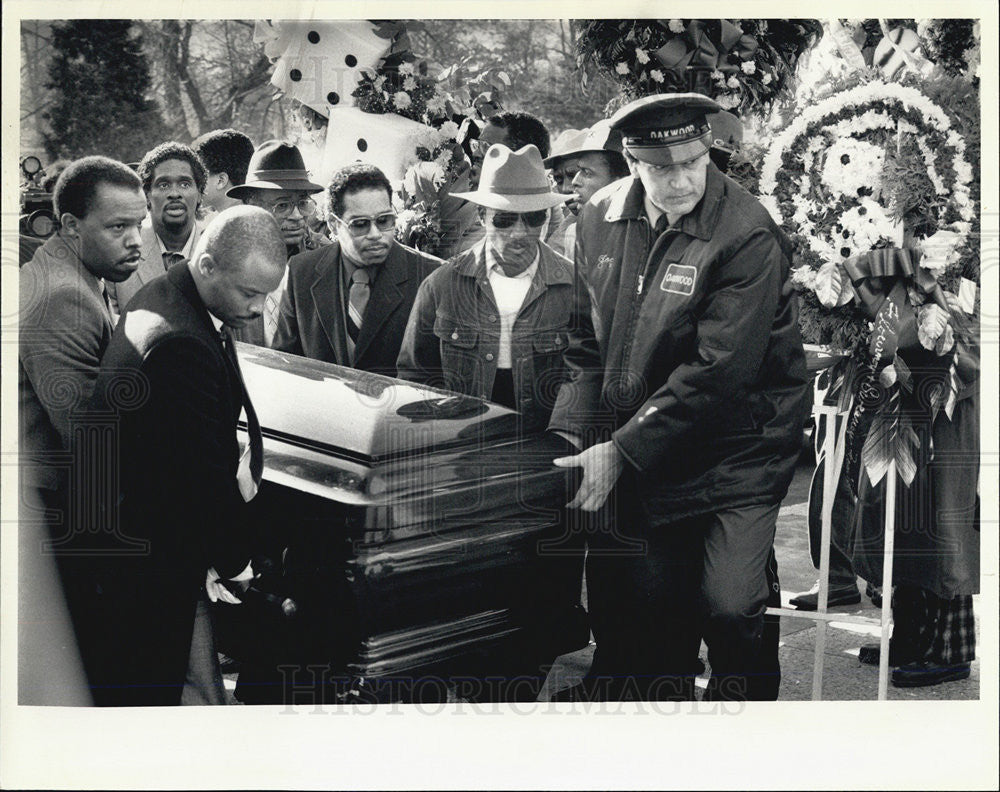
<point x="360" y="226"/>
<point x="531" y="219"/>
<point x="282" y="209"/>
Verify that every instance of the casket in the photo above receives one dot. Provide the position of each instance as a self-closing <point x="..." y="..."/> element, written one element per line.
<point x="403" y="534"/>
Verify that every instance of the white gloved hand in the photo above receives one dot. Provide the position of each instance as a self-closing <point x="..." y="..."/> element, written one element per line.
<point x="216" y="591"/>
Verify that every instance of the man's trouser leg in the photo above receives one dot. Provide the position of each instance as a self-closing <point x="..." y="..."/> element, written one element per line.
<point x="640" y="582"/>
<point x="203" y="683"/>
<point x="738" y="546"/>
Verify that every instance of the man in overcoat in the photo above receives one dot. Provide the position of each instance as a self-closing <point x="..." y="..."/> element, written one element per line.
<point x="176" y="485"/>
<point x="65" y="327"/>
<point x="687" y="396"/>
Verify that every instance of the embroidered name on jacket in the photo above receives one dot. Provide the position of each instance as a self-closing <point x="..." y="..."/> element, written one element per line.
<point x="679" y="279"/>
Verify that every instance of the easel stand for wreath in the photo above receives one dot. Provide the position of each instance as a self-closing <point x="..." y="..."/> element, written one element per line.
<point x="834" y="448"/>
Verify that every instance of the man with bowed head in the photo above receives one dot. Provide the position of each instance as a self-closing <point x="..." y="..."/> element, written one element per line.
<point x="686" y="367"/>
<point x="183" y="487"/>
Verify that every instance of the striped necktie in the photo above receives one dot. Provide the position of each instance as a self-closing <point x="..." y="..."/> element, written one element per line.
<point x="270" y="318"/>
<point x="357" y="301"/>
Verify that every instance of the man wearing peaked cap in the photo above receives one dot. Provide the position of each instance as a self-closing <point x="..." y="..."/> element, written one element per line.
<point x="492" y="322"/>
<point x="685" y="362"/>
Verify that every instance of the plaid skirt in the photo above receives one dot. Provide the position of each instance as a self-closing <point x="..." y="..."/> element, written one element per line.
<point x="942" y="631"/>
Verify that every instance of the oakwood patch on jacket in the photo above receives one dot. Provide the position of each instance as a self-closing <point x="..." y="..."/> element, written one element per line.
<point x="703" y="386"/>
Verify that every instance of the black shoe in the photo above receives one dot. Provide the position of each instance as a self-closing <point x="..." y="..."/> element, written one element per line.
<point x="926" y="673"/>
<point x="869" y="654"/>
<point x="809" y="600"/>
<point x="874" y="593"/>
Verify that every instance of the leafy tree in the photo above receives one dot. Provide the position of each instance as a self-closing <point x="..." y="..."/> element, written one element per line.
<point x="100" y="82"/>
<point x="210" y="74"/>
<point x="537" y="55"/>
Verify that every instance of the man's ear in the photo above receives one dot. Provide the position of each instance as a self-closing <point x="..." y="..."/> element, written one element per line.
<point x="69" y="224"/>
<point x="206" y="264"/>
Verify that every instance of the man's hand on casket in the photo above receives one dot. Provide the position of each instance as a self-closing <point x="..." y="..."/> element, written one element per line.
<point x="217" y="589"/>
<point x="602" y="465"/>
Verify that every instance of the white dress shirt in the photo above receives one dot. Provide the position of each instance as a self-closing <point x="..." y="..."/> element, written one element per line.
<point x="509" y="294"/>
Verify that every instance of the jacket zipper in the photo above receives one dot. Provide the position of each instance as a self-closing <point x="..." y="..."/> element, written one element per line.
<point x="636" y="303"/>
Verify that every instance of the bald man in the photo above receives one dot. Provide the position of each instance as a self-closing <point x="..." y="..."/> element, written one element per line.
<point x="179" y="491"/>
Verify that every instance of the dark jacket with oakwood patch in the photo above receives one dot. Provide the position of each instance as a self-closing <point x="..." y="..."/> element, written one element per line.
<point x="685" y="349"/>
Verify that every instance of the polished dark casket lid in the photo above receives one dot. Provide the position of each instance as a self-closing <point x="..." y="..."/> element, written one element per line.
<point x="327" y="427"/>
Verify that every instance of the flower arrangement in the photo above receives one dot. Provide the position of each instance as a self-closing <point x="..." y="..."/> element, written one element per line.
<point x="744" y="64"/>
<point x="875" y="186"/>
<point x="419" y="90"/>
<point x="428" y="213"/>
<point x="401" y="83"/>
<point x="874" y="166"/>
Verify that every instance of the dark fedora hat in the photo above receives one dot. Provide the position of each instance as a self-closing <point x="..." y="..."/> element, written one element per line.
<point x="275" y="165"/>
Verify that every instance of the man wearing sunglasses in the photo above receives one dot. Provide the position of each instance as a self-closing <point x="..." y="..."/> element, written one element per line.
<point x="277" y="180"/>
<point x="492" y="323"/>
<point x="348" y="303"/>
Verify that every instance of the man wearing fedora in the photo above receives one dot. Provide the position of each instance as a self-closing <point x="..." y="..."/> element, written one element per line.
<point x="348" y="303"/>
<point x="173" y="179"/>
<point x="685" y="360"/>
<point x="586" y="162"/>
<point x="492" y="322"/>
<point x="277" y="180"/>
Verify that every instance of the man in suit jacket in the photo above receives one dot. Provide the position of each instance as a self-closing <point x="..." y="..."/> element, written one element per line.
<point x="65" y="327"/>
<point x="182" y="484"/>
<point x="348" y="303"/>
<point x="173" y="179"/>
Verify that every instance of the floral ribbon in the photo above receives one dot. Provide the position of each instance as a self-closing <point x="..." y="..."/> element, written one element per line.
<point x="880" y="279"/>
<point x="868" y="271"/>
<point x="694" y="48"/>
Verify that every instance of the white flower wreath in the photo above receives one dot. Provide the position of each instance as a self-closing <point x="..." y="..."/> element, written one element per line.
<point x="851" y="163"/>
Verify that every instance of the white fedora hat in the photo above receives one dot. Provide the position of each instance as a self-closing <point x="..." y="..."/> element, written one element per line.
<point x="513" y="181"/>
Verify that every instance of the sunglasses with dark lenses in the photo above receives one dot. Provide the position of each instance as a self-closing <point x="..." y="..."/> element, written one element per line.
<point x="359" y="226"/>
<point x="531" y="219"/>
